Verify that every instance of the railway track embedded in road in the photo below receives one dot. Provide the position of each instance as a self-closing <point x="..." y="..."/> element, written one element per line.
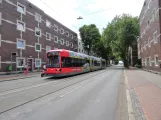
<point x="38" y="85"/>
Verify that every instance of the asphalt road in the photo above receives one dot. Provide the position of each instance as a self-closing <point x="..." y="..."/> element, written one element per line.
<point x="90" y="96"/>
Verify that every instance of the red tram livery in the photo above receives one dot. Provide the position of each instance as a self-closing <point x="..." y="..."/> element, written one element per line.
<point x="64" y="62"/>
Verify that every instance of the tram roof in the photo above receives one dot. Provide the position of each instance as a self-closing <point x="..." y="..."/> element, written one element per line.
<point x="76" y="54"/>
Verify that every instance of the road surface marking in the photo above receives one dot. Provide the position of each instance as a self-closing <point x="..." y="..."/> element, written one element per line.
<point x="130" y="108"/>
<point x="129" y="101"/>
<point x="25" y="88"/>
<point x="70" y="91"/>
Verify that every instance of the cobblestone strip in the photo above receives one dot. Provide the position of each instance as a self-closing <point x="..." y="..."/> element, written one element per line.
<point x="139" y="114"/>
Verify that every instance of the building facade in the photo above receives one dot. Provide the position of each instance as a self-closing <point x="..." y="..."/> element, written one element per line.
<point x="27" y="33"/>
<point x="133" y="54"/>
<point x="150" y="35"/>
<point x="80" y="47"/>
<point x="139" y="48"/>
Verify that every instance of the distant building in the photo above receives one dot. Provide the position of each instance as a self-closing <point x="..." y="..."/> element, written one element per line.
<point x="81" y="47"/>
<point x="28" y="33"/>
<point x="150" y="35"/>
<point x="139" y="48"/>
<point x="133" y="54"/>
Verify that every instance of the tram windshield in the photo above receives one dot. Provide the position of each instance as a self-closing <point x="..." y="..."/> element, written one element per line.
<point x="53" y="60"/>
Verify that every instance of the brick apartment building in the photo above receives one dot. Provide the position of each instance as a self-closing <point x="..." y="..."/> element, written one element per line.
<point x="150" y="35"/>
<point x="25" y="30"/>
<point x="133" y="54"/>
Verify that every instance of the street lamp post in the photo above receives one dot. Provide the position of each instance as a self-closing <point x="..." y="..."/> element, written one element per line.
<point x="79" y="18"/>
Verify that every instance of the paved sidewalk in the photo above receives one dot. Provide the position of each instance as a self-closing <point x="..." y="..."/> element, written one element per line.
<point x="146" y="92"/>
<point x="18" y="76"/>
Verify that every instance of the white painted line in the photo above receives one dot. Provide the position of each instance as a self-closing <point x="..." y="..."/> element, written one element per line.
<point x="130" y="108"/>
<point x="25" y="88"/>
<point x="126" y="82"/>
<point x="70" y="91"/>
<point x="129" y="102"/>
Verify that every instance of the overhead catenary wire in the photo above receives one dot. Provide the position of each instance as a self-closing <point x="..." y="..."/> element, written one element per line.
<point x="55" y="12"/>
<point x="98" y="11"/>
<point x="84" y="15"/>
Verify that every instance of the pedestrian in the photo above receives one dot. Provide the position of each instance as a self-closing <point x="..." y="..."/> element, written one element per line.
<point x="25" y="70"/>
<point x="44" y="67"/>
<point x="43" y="72"/>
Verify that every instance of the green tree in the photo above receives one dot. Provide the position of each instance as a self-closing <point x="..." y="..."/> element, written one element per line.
<point x="91" y="37"/>
<point x="120" y="34"/>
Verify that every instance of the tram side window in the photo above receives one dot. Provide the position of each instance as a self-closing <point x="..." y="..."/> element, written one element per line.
<point x="103" y="63"/>
<point x="76" y="62"/>
<point x="66" y="62"/>
<point x="96" y="63"/>
<point x="73" y="62"/>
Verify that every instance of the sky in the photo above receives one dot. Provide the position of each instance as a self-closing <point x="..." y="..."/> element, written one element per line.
<point x="67" y="11"/>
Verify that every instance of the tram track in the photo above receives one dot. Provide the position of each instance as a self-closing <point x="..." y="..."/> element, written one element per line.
<point x="56" y="81"/>
<point x="49" y="93"/>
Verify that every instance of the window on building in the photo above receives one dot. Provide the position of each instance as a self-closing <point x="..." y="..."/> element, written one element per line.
<point x="48" y="48"/>
<point x="75" y="47"/>
<point x="67" y="33"/>
<point x="55" y="39"/>
<point x="0" y="62"/>
<point x="71" y="36"/>
<point x="154" y="15"/>
<point x="67" y="43"/>
<point x="20" y="44"/>
<point x="48" y="36"/>
<point x="155" y="37"/>
<point x="55" y="27"/>
<point x="37" y="17"/>
<point x="21" y="8"/>
<point x="145" y="45"/>
<point x="38" y="47"/>
<point x="20" y="26"/>
<point x="48" y="24"/>
<point x="20" y="62"/>
<point x="71" y="45"/>
<point x="62" y="41"/>
<point x="142" y="62"/>
<point x="149" y="43"/>
<point x="149" y="4"/>
<point x="62" y="31"/>
<point x="156" y="60"/>
<point x="38" y="32"/>
<point x="0" y="18"/>
<point x="148" y="24"/>
<point x="75" y="38"/>
<point x="150" y="61"/>
<point x="37" y="63"/>
<point x="145" y="62"/>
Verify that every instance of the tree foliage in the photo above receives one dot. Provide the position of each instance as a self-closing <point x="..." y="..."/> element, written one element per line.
<point x="90" y="37"/>
<point x="120" y="34"/>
